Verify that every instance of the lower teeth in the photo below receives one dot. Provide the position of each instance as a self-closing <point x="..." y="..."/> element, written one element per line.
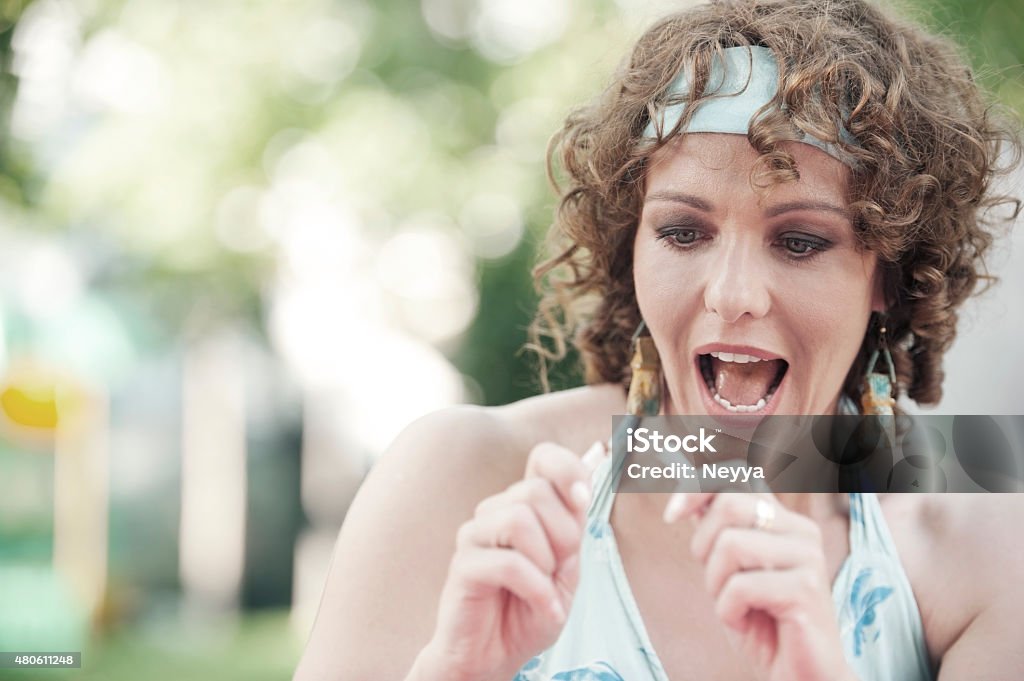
<point x="743" y="408"/>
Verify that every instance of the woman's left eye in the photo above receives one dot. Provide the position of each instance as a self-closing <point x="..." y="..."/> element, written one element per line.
<point x="801" y="246"/>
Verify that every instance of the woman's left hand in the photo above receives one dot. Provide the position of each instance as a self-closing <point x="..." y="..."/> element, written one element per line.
<point x="765" y="568"/>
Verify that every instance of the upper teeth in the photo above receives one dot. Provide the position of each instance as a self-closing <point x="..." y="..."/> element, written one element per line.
<point x="735" y="357"/>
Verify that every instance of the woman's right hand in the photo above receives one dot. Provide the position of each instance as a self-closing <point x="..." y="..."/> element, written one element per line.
<point x="514" y="572"/>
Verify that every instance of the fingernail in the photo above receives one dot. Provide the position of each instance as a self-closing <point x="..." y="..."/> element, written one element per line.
<point x="674" y="507"/>
<point x="592" y="456"/>
<point x="580" y="494"/>
<point x="557" y="610"/>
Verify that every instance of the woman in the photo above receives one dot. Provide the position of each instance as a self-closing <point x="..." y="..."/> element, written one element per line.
<point x="760" y="182"/>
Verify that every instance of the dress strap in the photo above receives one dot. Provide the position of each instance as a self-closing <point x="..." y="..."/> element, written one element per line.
<point x="603" y="484"/>
<point x="606" y="476"/>
<point x="868" y="529"/>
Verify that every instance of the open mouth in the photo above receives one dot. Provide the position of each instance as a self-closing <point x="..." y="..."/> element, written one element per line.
<point x="741" y="383"/>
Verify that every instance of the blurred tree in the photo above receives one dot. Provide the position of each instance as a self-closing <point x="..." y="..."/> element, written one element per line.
<point x="12" y="170"/>
<point x="990" y="31"/>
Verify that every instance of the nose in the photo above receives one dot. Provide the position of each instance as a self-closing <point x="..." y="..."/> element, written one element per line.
<point x="738" y="284"/>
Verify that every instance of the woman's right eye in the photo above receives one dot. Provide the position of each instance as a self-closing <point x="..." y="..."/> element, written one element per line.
<point x="679" y="236"/>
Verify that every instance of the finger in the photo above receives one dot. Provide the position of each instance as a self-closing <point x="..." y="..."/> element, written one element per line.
<point x="683" y="504"/>
<point x="740" y="510"/>
<point x="510" y="570"/>
<point x="563" y="526"/>
<point x="490" y="504"/>
<point x="730" y="510"/>
<point x="781" y="593"/>
<point x="568" y="576"/>
<point x="565" y="471"/>
<point x="738" y="550"/>
<point x="514" y="526"/>
<point x="564" y="530"/>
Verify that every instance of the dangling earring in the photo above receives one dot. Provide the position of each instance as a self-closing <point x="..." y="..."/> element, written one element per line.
<point x="877" y="399"/>
<point x="644" y="398"/>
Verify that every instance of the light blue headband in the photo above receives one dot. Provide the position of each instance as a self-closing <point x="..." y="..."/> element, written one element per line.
<point x="745" y="79"/>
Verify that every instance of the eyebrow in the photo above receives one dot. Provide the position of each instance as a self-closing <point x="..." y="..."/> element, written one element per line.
<point x="773" y="211"/>
<point x="679" y="197"/>
<point x="806" y="205"/>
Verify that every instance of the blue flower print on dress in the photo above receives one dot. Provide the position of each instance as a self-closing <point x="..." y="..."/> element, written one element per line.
<point x="598" y="671"/>
<point x="856" y="509"/>
<point x="863" y="602"/>
<point x="524" y="671"/>
<point x="598" y="528"/>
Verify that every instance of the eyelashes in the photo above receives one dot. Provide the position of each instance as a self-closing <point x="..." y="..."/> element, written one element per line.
<point x="684" y="237"/>
<point x="793" y="245"/>
<point x="803" y="246"/>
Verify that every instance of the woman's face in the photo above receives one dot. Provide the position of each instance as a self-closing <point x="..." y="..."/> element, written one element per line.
<point x="757" y="301"/>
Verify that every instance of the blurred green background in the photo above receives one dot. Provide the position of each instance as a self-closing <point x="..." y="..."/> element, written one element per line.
<point x="242" y="243"/>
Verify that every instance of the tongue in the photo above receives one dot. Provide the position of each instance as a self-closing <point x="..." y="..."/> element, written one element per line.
<point x="744" y="383"/>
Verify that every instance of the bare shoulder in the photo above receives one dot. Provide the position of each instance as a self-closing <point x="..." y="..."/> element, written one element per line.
<point x="981" y="530"/>
<point x="485" y="448"/>
<point x="977" y="536"/>
<point x="391" y="559"/>
<point x="963" y="556"/>
<point x="463" y="442"/>
<point x="572" y="418"/>
<point x="483" y="440"/>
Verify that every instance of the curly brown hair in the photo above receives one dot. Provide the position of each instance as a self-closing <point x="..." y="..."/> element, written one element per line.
<point x="928" y="146"/>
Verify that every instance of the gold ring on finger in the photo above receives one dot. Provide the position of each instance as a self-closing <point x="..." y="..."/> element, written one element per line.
<point x="764" y="515"/>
